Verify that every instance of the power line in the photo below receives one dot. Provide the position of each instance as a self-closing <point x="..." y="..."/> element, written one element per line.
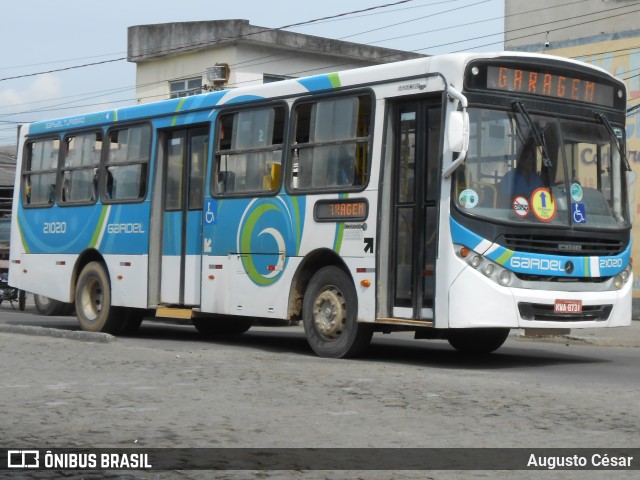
<point x="73" y="67"/>
<point x="307" y="22"/>
<point x="475" y="22"/>
<point x="320" y="22"/>
<point x="542" y="32"/>
<point x="59" y="61"/>
<point x="237" y="37"/>
<point x="306" y="71"/>
<point x="415" y="19"/>
<point x="323" y="19"/>
<point x="484" y="36"/>
<point x="395" y="10"/>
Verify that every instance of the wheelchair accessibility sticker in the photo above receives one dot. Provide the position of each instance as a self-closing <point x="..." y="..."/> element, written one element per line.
<point x="543" y="205"/>
<point x="209" y="215"/>
<point x="578" y="212"/>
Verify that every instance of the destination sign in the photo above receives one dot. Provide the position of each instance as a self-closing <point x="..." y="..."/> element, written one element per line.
<point x="546" y="84"/>
<point x="341" y="210"/>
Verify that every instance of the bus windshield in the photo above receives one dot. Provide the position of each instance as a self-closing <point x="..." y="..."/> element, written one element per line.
<point x="542" y="170"/>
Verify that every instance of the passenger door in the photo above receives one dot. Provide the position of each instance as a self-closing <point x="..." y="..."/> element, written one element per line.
<point x="185" y="161"/>
<point x="414" y="209"/>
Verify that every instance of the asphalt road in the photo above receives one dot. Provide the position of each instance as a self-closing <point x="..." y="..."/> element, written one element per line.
<point x="167" y="387"/>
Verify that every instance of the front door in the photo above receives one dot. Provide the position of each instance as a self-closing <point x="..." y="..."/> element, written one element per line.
<point x="186" y="153"/>
<point x="415" y="208"/>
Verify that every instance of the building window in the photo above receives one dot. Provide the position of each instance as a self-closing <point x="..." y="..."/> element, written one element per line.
<point x="185" y="88"/>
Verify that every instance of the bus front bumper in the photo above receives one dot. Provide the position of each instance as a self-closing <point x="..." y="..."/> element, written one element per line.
<point x="475" y="301"/>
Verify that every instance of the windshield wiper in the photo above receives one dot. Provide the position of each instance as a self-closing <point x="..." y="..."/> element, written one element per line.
<point x="612" y="132"/>
<point x="538" y="137"/>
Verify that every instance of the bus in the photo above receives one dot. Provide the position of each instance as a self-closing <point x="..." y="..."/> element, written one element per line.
<point x="378" y="199"/>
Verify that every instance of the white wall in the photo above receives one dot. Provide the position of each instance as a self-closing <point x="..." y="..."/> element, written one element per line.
<point x="247" y="64"/>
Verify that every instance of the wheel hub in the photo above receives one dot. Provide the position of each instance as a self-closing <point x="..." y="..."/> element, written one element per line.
<point x="92" y="300"/>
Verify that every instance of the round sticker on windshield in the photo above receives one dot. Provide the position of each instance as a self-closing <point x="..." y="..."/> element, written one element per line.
<point x="521" y="206"/>
<point x="576" y="192"/>
<point x="468" y="198"/>
<point x="543" y="205"/>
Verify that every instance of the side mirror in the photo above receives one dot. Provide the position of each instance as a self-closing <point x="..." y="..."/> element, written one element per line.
<point x="458" y="131"/>
<point x="458" y="139"/>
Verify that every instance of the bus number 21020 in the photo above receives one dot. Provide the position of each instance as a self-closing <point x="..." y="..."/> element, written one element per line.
<point x="54" y="227"/>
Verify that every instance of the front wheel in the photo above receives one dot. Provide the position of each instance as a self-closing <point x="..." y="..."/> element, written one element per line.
<point x="93" y="301"/>
<point x="477" y="340"/>
<point x="329" y="315"/>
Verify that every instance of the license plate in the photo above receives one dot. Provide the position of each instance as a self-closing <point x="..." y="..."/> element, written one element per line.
<point x="567" y="306"/>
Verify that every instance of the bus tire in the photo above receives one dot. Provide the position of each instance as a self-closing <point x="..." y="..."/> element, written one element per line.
<point x="48" y="307"/>
<point x="329" y="315"/>
<point x="215" y="327"/>
<point x="131" y="320"/>
<point x="93" y="301"/>
<point x="477" y="340"/>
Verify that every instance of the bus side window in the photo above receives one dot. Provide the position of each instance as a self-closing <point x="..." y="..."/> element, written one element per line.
<point x="80" y="168"/>
<point x="226" y="182"/>
<point x="249" y="151"/>
<point x="39" y="174"/>
<point x="331" y="144"/>
<point x="127" y="164"/>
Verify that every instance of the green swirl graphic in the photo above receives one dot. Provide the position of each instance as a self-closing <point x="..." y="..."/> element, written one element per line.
<point x="245" y="245"/>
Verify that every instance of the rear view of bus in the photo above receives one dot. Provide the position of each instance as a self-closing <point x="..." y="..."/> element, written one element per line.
<point x="540" y="206"/>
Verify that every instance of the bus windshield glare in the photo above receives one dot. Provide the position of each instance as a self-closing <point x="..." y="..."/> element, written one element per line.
<point x="507" y="178"/>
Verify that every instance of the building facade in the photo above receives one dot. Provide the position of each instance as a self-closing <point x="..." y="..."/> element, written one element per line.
<point x="178" y="59"/>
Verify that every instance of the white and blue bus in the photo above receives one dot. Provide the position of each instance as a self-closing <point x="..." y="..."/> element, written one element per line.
<point x="388" y="198"/>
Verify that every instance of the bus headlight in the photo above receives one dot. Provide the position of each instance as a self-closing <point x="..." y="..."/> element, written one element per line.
<point x="504" y="278"/>
<point x="621" y="279"/>
<point x="618" y="281"/>
<point x="488" y="269"/>
<point x="625" y="275"/>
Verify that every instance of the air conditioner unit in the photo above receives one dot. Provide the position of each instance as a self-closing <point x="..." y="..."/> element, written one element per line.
<point x="218" y="74"/>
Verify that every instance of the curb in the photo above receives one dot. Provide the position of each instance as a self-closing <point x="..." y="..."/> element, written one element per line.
<point x="82" y="336"/>
<point x="574" y="340"/>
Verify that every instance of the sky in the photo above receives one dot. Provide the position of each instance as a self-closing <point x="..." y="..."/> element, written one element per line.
<point x="40" y="36"/>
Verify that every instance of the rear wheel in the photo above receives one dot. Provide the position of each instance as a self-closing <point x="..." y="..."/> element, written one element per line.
<point x="213" y="327"/>
<point x="93" y="301"/>
<point x="50" y="307"/>
<point x="477" y="340"/>
<point x="329" y="315"/>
